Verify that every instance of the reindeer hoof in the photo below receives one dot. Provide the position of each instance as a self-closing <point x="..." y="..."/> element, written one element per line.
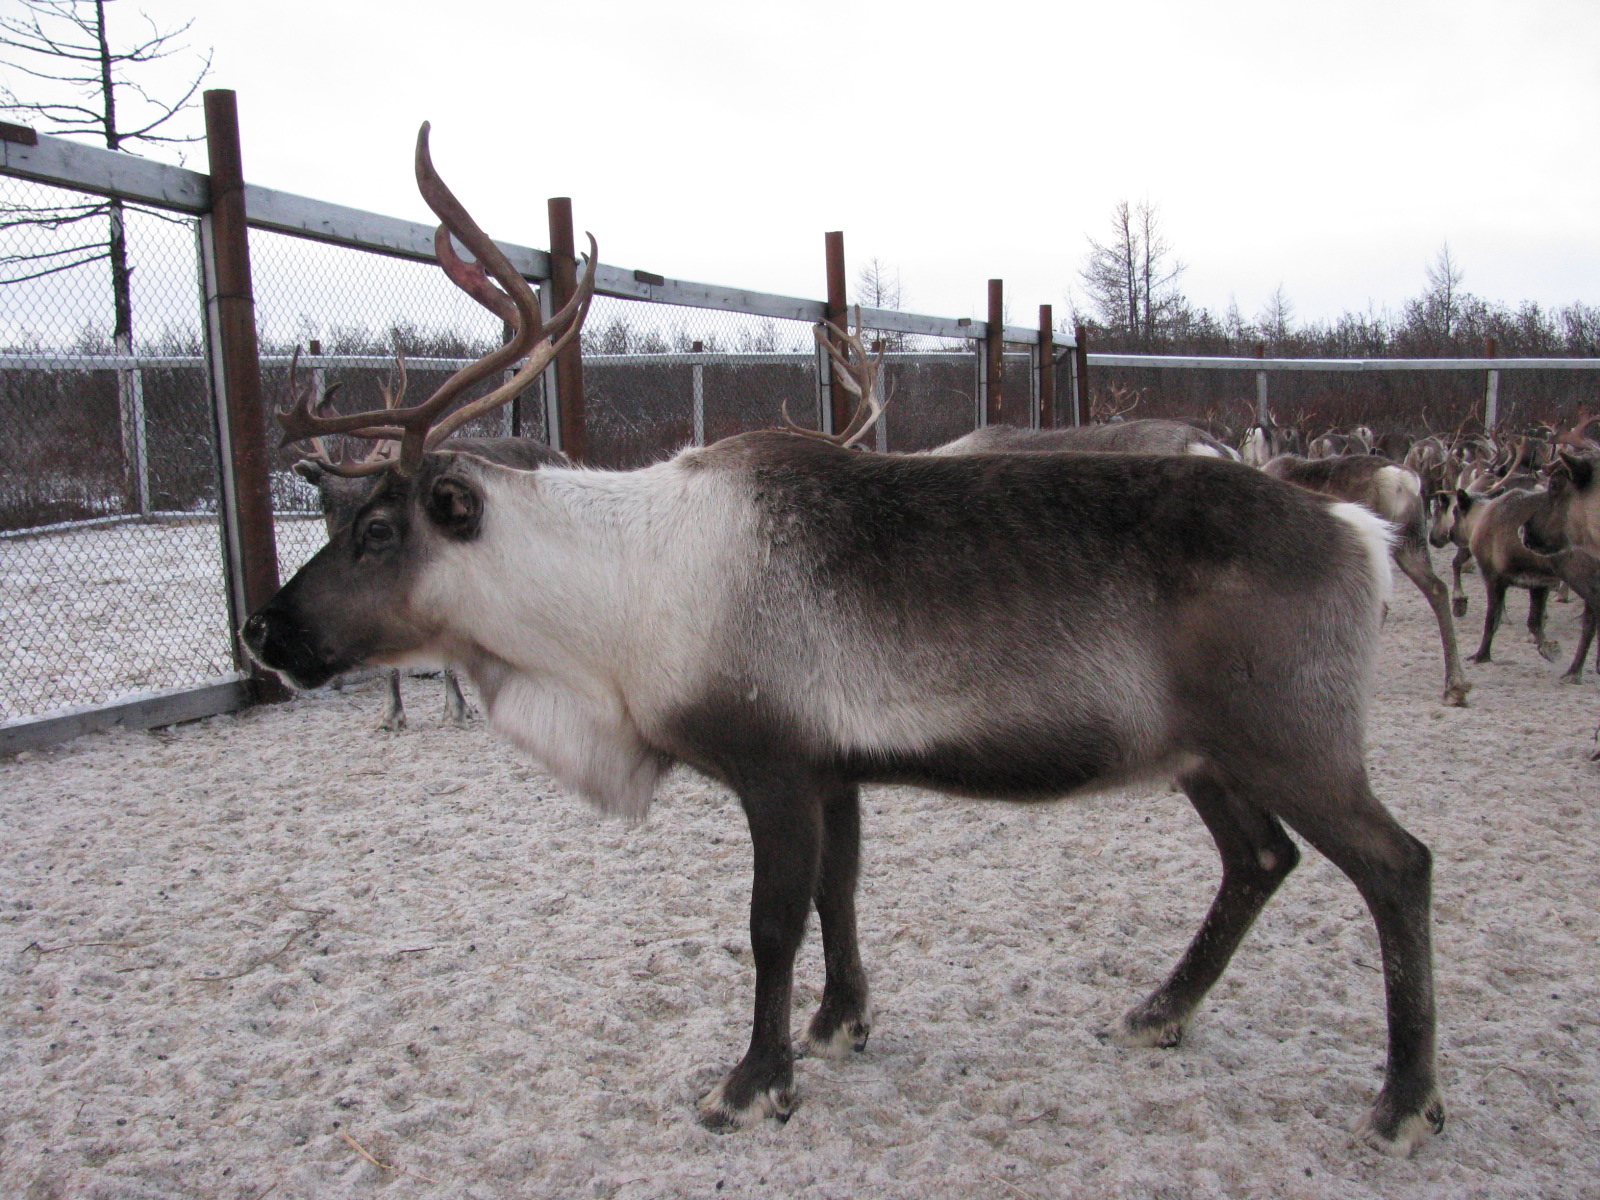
<point x="1137" y="1030"/>
<point x="1455" y="696"/>
<point x="721" y="1113"/>
<point x="1549" y="650"/>
<point x="1571" y="677"/>
<point x="847" y="1037"/>
<point x="1459" y="606"/>
<point x="1396" y="1135"/>
<point x="392" y="724"/>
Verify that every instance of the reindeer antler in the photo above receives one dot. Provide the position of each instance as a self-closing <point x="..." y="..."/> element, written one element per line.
<point x="858" y="375"/>
<point x="422" y="427"/>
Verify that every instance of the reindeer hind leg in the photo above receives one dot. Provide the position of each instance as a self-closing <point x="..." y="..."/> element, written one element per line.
<point x="843" y="1020"/>
<point x="1256" y="857"/>
<point x="1392" y="870"/>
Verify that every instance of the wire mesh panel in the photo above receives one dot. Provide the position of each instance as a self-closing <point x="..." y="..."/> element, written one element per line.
<point x="931" y="385"/>
<point x="366" y="316"/>
<point x="110" y="558"/>
<point x="658" y="377"/>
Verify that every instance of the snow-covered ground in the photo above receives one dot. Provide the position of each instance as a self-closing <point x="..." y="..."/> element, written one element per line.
<point x="284" y="955"/>
<point x="88" y="615"/>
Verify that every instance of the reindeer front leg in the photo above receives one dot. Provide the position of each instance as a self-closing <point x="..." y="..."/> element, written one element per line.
<point x="786" y="833"/>
<point x="455" y="704"/>
<point x="1458" y="594"/>
<point x="394" y="713"/>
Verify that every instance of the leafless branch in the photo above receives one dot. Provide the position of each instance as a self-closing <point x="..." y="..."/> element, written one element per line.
<point x="57" y="270"/>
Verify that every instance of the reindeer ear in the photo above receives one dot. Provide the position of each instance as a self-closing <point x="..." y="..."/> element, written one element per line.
<point x="309" y="471"/>
<point x="455" y="505"/>
<point x="1463" y="499"/>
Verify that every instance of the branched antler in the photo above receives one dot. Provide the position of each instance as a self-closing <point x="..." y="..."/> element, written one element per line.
<point x="493" y="282"/>
<point x="858" y="374"/>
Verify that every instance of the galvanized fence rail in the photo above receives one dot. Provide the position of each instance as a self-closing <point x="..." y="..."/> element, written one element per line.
<point x="1490" y="366"/>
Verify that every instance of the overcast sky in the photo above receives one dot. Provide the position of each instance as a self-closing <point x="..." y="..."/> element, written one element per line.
<point x="1331" y="148"/>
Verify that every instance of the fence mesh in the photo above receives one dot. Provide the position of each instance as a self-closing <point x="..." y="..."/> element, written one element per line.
<point x="111" y="565"/>
<point x="110" y="560"/>
<point x="362" y="313"/>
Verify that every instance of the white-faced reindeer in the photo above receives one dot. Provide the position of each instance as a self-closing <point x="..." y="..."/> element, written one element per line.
<point x="342" y="497"/>
<point x="1262" y="443"/>
<point x="1395" y="494"/>
<point x="796" y="620"/>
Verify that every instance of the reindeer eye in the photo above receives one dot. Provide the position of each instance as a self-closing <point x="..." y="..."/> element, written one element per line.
<point x="379" y="533"/>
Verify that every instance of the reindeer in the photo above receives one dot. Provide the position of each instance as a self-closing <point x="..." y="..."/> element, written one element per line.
<point x="342" y="497"/>
<point x="1335" y="445"/>
<point x="797" y="620"/>
<point x="1452" y="525"/>
<point x="1395" y="494"/>
<point x="1539" y="540"/>
<point x="1148" y="436"/>
<point x="1429" y="458"/>
<point x="1265" y="442"/>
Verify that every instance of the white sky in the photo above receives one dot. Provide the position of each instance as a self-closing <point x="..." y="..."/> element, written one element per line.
<point x="1329" y="147"/>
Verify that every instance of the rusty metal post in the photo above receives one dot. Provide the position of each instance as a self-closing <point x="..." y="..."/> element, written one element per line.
<point x="1491" y="397"/>
<point x="249" y="539"/>
<point x="569" y="363"/>
<point x="1046" y="365"/>
<point x="836" y="312"/>
<point x="994" y="355"/>
<point x="1080" y="357"/>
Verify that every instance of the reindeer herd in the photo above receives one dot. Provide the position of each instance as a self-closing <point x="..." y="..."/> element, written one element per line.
<point x="1019" y="615"/>
<point x="1523" y="507"/>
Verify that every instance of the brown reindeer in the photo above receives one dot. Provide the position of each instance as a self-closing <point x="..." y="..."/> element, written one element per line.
<point x="1394" y="493"/>
<point x="1538" y="540"/>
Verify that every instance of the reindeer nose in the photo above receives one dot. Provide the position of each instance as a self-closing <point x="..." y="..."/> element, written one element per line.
<point x="255" y="632"/>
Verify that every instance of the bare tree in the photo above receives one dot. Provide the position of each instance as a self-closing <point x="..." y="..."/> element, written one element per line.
<point x="1132" y="277"/>
<point x="1276" y="320"/>
<point x="878" y="286"/>
<point x="82" y="83"/>
<point x="1442" y="300"/>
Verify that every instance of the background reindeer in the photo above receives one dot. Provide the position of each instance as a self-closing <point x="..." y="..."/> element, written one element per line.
<point x="1395" y="494"/>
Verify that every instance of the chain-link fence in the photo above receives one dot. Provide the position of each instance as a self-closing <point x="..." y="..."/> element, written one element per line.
<point x="110" y="565"/>
<point x="115" y="577"/>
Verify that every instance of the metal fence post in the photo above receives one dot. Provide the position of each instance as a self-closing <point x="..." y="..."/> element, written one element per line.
<point x="569" y="363"/>
<point x="1261" y="390"/>
<point x="698" y="398"/>
<point x="135" y="439"/>
<point x="1044" y="363"/>
<point x="1080" y="377"/>
<point x="1491" y="397"/>
<point x="837" y="412"/>
<point x="249" y="540"/>
<point x="994" y="355"/>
